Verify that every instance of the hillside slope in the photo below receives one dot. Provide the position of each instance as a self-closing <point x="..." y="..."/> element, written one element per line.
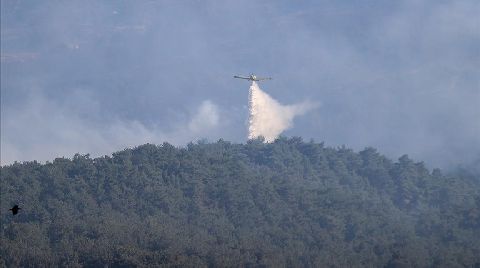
<point x="289" y="203"/>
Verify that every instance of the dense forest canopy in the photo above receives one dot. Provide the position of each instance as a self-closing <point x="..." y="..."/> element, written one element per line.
<point x="287" y="203"/>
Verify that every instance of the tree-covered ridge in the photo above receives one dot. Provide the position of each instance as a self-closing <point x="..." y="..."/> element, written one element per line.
<point x="288" y="203"/>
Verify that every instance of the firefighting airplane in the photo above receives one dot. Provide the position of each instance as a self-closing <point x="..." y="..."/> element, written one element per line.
<point x="252" y="77"/>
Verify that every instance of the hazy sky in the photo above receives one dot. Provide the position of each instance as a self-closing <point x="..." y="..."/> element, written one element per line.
<point x="98" y="76"/>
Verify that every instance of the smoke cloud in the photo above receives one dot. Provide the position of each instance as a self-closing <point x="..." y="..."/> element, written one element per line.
<point x="269" y="118"/>
<point x="30" y="136"/>
<point x="97" y="76"/>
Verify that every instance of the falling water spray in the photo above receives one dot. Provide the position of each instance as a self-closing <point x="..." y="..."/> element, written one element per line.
<point x="269" y="118"/>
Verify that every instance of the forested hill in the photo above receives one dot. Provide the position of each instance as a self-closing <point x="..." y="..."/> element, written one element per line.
<point x="289" y="203"/>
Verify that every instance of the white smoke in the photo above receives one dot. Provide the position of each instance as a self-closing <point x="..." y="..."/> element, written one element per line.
<point x="269" y="118"/>
<point x="206" y="118"/>
<point x="42" y="130"/>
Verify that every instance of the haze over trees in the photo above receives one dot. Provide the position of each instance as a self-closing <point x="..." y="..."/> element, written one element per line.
<point x="288" y="203"/>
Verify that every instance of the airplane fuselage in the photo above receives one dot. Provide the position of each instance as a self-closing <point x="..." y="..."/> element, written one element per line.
<point x="252" y="77"/>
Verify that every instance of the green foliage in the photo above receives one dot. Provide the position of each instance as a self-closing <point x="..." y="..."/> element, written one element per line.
<point x="288" y="203"/>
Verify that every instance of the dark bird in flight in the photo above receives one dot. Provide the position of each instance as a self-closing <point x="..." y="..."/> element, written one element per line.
<point x="15" y="209"/>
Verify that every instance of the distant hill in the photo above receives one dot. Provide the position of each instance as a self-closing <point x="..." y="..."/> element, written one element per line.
<point x="289" y="203"/>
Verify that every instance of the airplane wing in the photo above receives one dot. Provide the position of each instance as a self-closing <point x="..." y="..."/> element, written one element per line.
<point x="264" y="78"/>
<point x="241" y="77"/>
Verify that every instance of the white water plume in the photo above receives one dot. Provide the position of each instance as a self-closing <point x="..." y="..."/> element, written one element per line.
<point x="269" y="118"/>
